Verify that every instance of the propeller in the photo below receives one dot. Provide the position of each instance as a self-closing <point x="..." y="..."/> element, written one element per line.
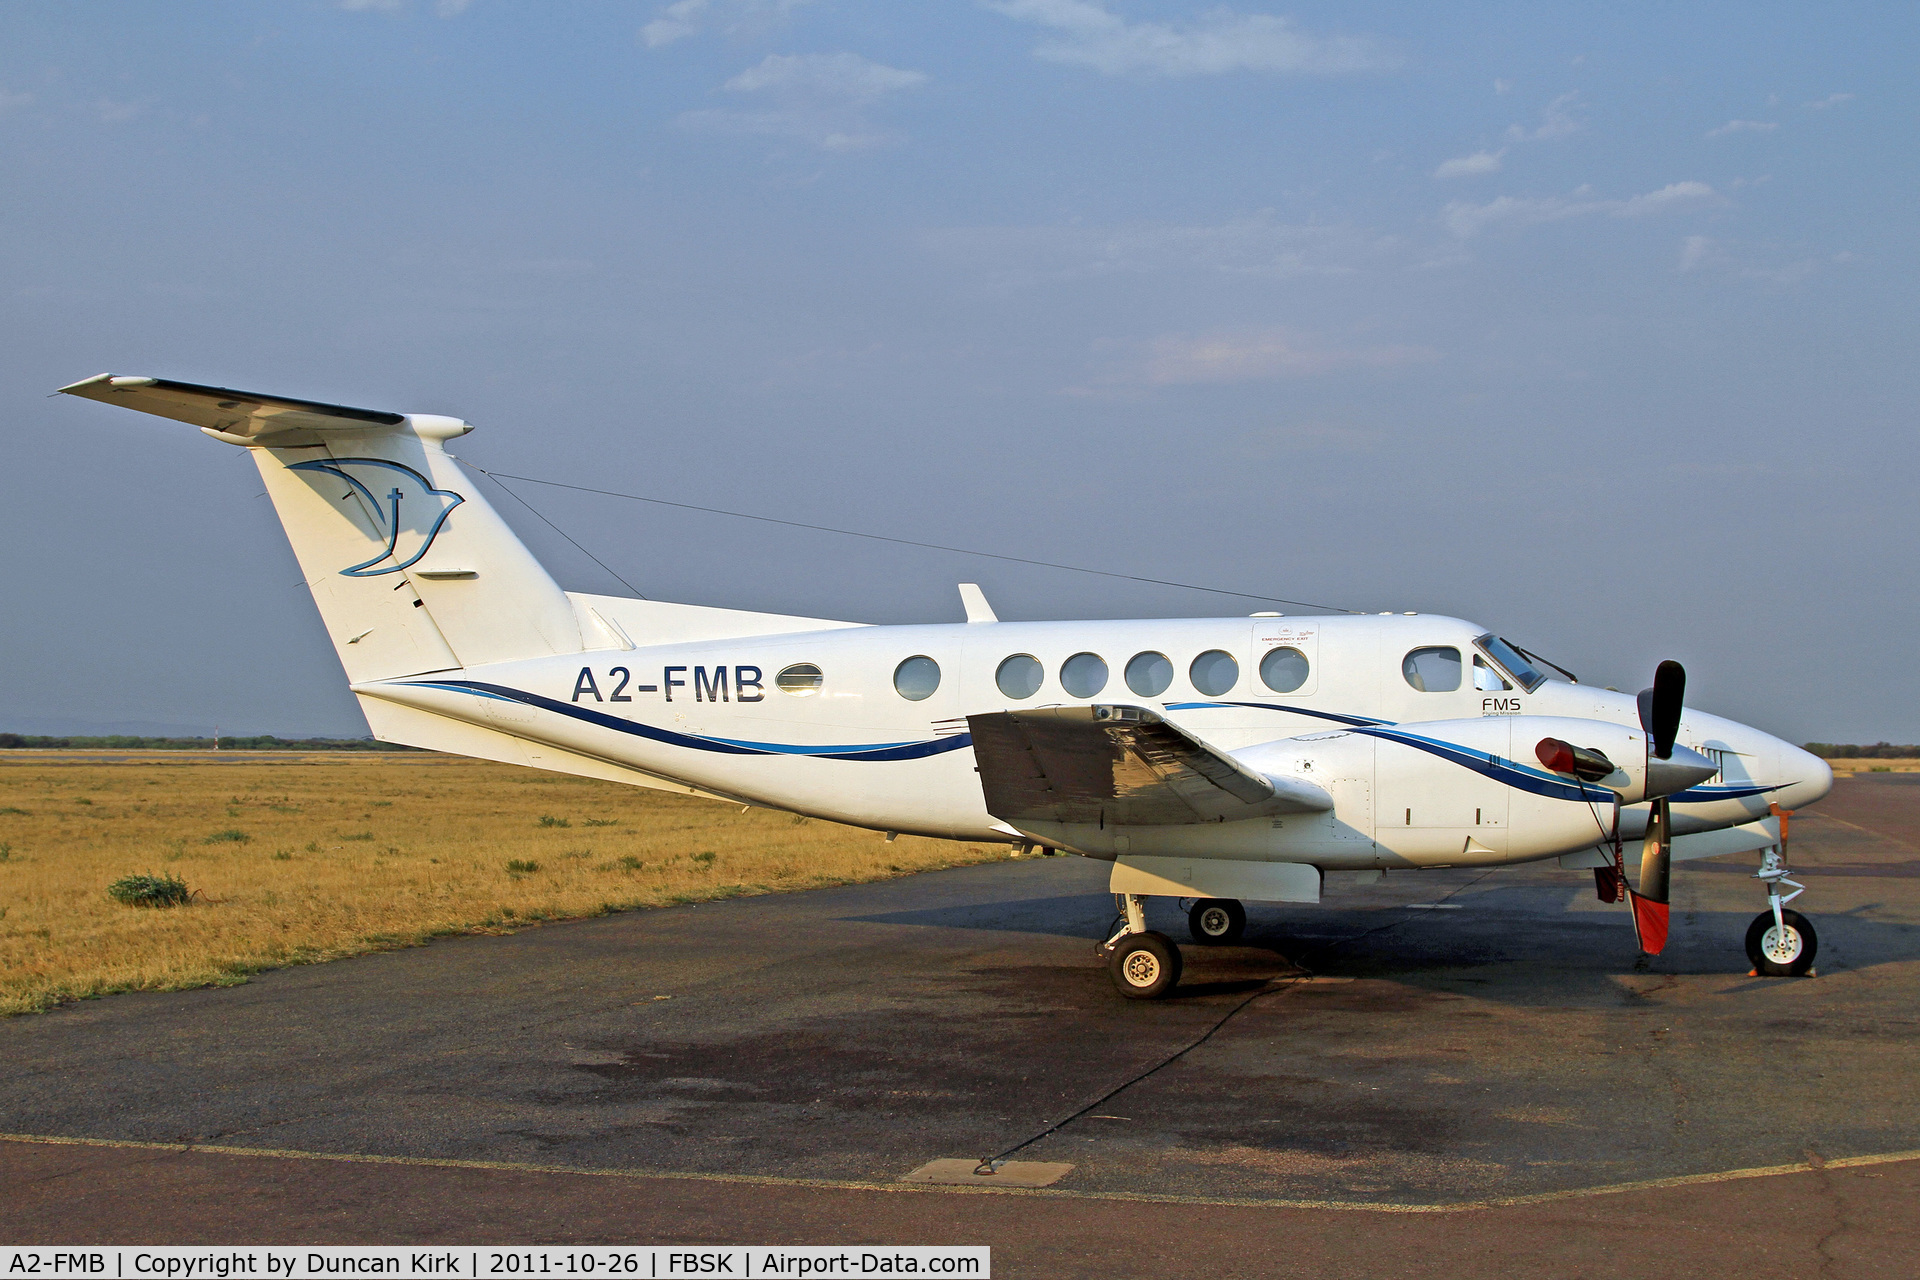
<point x="1660" y="709"/>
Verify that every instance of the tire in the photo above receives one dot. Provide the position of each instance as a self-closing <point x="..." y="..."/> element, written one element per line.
<point x="1144" y="966"/>
<point x="1775" y="956"/>
<point x="1217" y="922"/>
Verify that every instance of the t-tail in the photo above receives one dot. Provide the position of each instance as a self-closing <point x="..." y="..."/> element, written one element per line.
<point x="411" y="567"/>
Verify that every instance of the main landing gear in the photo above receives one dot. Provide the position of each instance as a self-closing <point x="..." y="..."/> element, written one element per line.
<point x="1145" y="964"/>
<point x="1217" y="921"/>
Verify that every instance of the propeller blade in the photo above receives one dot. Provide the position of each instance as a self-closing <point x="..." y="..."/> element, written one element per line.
<point x="1660" y="707"/>
<point x="1656" y="867"/>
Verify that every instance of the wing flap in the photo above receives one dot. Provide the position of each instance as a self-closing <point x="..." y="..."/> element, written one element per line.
<point x="1120" y="766"/>
<point x="246" y="415"/>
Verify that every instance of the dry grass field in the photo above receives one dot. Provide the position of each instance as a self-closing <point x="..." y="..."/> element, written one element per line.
<point x="298" y="858"/>
<point x="1900" y="764"/>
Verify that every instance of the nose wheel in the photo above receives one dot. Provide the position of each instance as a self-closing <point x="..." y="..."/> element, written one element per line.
<point x="1782" y="948"/>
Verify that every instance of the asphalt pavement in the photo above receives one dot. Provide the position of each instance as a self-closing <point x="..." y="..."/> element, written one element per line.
<point x="1442" y="1066"/>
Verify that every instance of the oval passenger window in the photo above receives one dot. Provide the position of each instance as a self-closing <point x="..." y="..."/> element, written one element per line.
<point x="1283" y="670"/>
<point x="1149" y="674"/>
<point x="1019" y="676"/>
<point x="800" y="679"/>
<point x="1214" y="672"/>
<point x="1084" y="675"/>
<point x="1434" y="669"/>
<point x="916" y="678"/>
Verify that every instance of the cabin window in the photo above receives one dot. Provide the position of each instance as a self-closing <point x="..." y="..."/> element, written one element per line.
<point x="1486" y="679"/>
<point x="1435" y="669"/>
<point x="1149" y="674"/>
<point x="1283" y="670"/>
<point x="1214" y="672"/>
<point x="1084" y="675"/>
<point x="916" y="678"/>
<point x="802" y="679"/>
<point x="1020" y="676"/>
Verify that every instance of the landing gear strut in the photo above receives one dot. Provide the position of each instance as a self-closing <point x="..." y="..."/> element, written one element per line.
<point x="1781" y="943"/>
<point x="1143" y="964"/>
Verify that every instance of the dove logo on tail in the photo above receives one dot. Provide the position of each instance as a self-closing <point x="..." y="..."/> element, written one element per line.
<point x="405" y="508"/>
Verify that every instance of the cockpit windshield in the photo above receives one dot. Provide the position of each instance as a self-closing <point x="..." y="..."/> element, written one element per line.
<point x="1524" y="673"/>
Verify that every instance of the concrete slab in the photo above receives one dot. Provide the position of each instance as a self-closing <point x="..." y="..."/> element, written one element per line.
<point x="990" y="1174"/>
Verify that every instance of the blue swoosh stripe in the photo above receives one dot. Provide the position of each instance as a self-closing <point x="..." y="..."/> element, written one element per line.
<point x="883" y="751"/>
<point x="1707" y="795"/>
<point x="1498" y="768"/>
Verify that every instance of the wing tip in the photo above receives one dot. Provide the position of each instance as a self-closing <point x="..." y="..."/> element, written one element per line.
<point x="75" y="388"/>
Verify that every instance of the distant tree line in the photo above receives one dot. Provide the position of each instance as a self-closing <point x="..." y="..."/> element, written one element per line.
<point x="259" y="742"/>
<point x="1877" y="751"/>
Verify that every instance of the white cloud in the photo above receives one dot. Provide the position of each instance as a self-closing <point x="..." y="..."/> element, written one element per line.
<point x="1257" y="247"/>
<point x="1830" y="101"/>
<point x="1218" y="42"/>
<point x="1556" y="121"/>
<point x="1674" y="195"/>
<point x="1503" y="86"/>
<point x="1743" y="126"/>
<point x="1704" y="254"/>
<point x="1697" y="252"/>
<point x="9" y="101"/>
<point x="686" y="18"/>
<point x="1468" y="166"/>
<point x="1464" y="219"/>
<point x="1250" y="355"/>
<point x="846" y="77"/>
<point x="815" y="98"/>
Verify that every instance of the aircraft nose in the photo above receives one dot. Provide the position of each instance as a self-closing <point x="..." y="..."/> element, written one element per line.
<point x="1809" y="776"/>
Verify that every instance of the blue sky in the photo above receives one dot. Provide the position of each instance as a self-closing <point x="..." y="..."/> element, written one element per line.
<point x="1592" y="323"/>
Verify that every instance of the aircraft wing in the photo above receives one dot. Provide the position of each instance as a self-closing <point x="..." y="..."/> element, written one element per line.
<point x="244" y="414"/>
<point x="1120" y="766"/>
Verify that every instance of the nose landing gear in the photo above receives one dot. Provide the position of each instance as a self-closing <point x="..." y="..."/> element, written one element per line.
<point x="1781" y="943"/>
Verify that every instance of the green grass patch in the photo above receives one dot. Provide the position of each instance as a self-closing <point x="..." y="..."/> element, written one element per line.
<point x="149" y="891"/>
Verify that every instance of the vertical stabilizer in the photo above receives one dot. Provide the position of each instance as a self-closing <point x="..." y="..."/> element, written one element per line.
<point x="411" y="567"/>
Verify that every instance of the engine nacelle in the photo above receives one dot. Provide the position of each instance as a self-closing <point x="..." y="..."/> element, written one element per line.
<point x="1613" y="756"/>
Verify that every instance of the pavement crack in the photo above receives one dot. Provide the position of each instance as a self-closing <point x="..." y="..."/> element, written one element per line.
<point x="1822" y="1245"/>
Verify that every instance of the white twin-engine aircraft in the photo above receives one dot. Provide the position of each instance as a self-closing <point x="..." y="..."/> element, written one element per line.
<point x="1209" y="759"/>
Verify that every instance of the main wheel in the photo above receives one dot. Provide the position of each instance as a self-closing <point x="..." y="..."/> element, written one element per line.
<point x="1217" y="921"/>
<point x="1144" y="966"/>
<point x="1781" y="952"/>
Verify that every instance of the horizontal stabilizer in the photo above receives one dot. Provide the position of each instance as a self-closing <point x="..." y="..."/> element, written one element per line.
<point x="1120" y="766"/>
<point x="243" y="416"/>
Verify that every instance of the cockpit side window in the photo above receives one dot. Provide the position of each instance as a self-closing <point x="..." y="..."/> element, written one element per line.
<point x="1487" y="679"/>
<point x="1524" y="673"/>
<point x="1434" y="669"/>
